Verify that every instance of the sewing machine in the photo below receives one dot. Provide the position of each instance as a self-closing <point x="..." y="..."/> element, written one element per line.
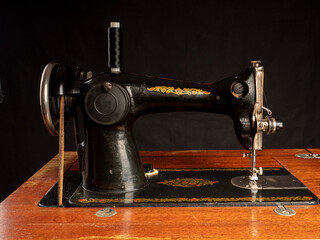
<point x="111" y="102"/>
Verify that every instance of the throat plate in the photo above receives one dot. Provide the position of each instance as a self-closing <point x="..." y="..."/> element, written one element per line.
<point x="269" y="182"/>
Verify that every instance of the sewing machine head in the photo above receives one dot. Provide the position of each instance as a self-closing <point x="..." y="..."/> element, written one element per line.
<point x="112" y="101"/>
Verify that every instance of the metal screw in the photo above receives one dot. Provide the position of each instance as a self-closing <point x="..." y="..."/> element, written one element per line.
<point x="246" y="154"/>
<point x="107" y="86"/>
<point x="256" y="63"/>
<point x="89" y="74"/>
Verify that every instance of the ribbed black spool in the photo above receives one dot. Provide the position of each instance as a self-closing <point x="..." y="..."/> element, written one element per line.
<point x="114" y="50"/>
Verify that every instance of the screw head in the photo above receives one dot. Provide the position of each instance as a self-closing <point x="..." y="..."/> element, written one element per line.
<point x="256" y="63"/>
<point x="107" y="86"/>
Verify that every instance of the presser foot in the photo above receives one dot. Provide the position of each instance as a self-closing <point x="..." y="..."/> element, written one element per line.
<point x="254" y="173"/>
<point x="253" y="178"/>
<point x="253" y="183"/>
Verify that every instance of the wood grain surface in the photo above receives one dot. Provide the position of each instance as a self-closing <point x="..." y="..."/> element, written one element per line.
<point x="21" y="218"/>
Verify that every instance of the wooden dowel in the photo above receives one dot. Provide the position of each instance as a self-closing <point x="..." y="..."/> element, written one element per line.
<point x="61" y="152"/>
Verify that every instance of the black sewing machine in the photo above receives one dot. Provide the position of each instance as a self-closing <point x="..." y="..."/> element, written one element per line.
<point x="110" y="103"/>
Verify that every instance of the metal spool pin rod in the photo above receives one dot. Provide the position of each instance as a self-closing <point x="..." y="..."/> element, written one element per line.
<point x="114" y="47"/>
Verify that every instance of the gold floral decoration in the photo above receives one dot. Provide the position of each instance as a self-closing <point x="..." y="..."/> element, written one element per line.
<point x="205" y="199"/>
<point x="187" y="182"/>
<point x="178" y="91"/>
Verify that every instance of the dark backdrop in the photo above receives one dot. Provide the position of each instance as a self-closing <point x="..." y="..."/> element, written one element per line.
<point x="200" y="41"/>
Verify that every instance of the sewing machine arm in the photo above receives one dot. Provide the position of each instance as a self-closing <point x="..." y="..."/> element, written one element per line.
<point x="120" y="99"/>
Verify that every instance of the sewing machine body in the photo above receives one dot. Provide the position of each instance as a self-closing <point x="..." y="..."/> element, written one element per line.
<point x="110" y="103"/>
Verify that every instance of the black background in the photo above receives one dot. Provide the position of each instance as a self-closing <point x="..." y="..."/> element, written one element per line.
<point x="199" y="41"/>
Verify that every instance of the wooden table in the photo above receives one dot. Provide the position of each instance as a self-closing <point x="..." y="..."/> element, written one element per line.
<point x="21" y="218"/>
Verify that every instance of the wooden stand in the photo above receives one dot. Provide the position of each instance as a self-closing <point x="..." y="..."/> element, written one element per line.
<point x="21" y="217"/>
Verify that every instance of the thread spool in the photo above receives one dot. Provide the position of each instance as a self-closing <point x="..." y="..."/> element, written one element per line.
<point x="114" y="48"/>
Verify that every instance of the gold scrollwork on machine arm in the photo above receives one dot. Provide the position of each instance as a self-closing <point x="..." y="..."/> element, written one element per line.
<point x="178" y="91"/>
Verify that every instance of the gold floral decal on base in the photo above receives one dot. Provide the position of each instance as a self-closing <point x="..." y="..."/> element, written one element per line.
<point x="178" y="91"/>
<point x="193" y="200"/>
<point x="187" y="182"/>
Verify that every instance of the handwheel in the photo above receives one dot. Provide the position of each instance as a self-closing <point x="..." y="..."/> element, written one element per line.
<point x="55" y="77"/>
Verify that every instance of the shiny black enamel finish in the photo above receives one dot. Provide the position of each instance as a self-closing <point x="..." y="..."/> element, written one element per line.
<point x="111" y="161"/>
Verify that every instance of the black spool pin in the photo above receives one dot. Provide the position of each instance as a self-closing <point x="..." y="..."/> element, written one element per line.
<point x="114" y="49"/>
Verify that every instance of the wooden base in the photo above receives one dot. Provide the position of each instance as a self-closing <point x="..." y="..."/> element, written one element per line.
<point x="20" y="217"/>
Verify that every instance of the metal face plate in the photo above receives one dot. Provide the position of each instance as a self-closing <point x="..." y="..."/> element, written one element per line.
<point x="257" y="112"/>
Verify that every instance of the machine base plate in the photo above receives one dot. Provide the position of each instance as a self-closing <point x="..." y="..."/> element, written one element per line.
<point x="186" y="188"/>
